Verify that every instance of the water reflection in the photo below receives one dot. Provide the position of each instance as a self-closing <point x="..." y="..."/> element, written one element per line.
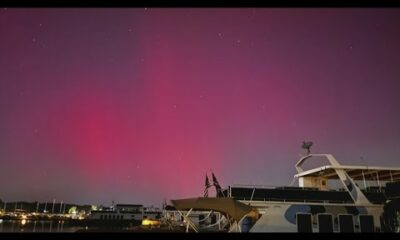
<point x="28" y="225"/>
<point x="25" y="225"/>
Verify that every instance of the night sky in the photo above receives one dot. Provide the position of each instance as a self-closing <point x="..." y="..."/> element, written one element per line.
<point x="136" y="105"/>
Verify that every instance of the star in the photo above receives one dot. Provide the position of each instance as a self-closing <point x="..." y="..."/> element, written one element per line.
<point x="142" y="59"/>
<point x="33" y="39"/>
<point x="220" y="35"/>
<point x="174" y="106"/>
<point x="40" y="25"/>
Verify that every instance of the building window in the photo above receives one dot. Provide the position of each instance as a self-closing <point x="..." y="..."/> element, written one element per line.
<point x="325" y="223"/>
<point x="122" y="217"/>
<point x="346" y="223"/>
<point x="303" y="221"/>
<point x="367" y="223"/>
<point x="101" y="217"/>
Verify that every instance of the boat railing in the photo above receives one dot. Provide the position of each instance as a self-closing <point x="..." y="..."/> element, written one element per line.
<point x="253" y="186"/>
<point x="273" y="187"/>
<point x="295" y="200"/>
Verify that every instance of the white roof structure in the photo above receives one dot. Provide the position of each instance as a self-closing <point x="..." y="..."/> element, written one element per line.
<point x="356" y="172"/>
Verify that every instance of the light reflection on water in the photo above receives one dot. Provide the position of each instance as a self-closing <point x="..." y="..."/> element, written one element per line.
<point x="36" y="226"/>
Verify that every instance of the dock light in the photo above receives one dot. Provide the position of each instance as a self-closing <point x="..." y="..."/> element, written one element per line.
<point x="149" y="222"/>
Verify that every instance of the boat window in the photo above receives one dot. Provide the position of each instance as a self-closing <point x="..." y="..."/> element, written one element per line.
<point x="213" y="219"/>
<point x="303" y="221"/>
<point x="367" y="223"/>
<point x="201" y="217"/>
<point x="325" y="223"/>
<point x="346" y="223"/>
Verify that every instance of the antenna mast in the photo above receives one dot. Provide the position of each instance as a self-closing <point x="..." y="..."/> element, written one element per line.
<point x="307" y="145"/>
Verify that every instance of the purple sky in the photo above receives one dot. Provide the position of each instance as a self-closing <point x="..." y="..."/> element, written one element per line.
<point x="136" y="105"/>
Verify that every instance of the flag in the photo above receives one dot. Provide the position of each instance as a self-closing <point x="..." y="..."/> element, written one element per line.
<point x="208" y="185"/>
<point x="217" y="186"/>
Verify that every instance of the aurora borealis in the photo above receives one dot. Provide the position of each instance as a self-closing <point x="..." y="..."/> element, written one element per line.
<point x="135" y="105"/>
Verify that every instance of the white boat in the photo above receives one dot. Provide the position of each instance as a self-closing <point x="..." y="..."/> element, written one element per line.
<point x="133" y="212"/>
<point x="317" y="204"/>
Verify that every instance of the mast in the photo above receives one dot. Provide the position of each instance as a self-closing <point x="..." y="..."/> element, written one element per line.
<point x="52" y="209"/>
